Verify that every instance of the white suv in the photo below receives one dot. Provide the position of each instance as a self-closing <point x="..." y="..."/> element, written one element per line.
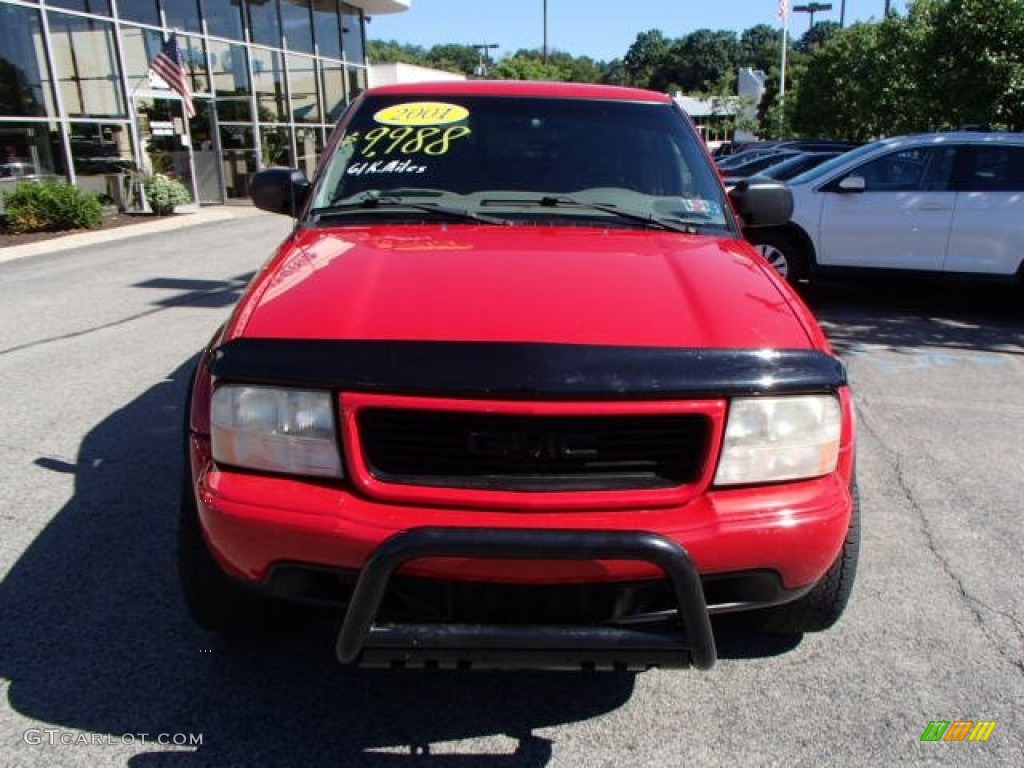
<point x="939" y="203"/>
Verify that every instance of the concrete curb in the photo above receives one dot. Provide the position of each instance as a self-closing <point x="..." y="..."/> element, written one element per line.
<point x="86" y="239"/>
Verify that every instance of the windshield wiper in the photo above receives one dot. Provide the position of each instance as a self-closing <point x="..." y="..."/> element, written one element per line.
<point x="375" y="198"/>
<point x="563" y="201"/>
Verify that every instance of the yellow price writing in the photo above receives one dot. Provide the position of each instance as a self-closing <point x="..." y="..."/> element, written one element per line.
<point x="408" y="140"/>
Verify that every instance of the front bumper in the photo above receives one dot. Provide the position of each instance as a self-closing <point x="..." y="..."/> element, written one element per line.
<point x="687" y="641"/>
<point x="254" y="522"/>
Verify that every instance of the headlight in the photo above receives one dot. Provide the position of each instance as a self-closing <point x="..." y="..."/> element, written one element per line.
<point x="281" y="430"/>
<point x="768" y="439"/>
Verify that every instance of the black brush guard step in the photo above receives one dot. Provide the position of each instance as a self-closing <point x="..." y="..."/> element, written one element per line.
<point x="539" y="647"/>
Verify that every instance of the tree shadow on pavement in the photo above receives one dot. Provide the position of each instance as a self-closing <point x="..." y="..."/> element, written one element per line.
<point x="96" y="639"/>
<point x="905" y="314"/>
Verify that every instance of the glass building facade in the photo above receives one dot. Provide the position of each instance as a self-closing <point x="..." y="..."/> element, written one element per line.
<point x="268" y="77"/>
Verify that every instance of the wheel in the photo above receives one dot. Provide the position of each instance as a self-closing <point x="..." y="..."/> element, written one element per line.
<point x="820" y="608"/>
<point x="781" y="251"/>
<point x="214" y="600"/>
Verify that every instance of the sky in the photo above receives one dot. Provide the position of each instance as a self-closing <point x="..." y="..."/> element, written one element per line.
<point x="601" y="29"/>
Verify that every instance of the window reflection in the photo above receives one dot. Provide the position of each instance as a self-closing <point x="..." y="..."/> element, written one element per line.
<point x="224" y="18"/>
<point x="327" y="26"/>
<point x="139" y="46"/>
<point x="334" y="90"/>
<point x="352" y="33"/>
<point x="305" y="100"/>
<point x="87" y="73"/>
<point x="142" y="11"/>
<point x="195" y="62"/>
<point x="24" y="75"/>
<point x="309" y="143"/>
<point x="231" y="81"/>
<point x="268" y="74"/>
<point x="277" y="146"/>
<point x="298" y="27"/>
<point x="29" y="150"/>
<point x="264" y="24"/>
<point x="356" y="81"/>
<point x="239" y="158"/>
<point x="182" y="14"/>
<point x="103" y="158"/>
<point x="99" y="7"/>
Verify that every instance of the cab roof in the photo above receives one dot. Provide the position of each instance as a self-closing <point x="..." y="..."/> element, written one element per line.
<point x="522" y="88"/>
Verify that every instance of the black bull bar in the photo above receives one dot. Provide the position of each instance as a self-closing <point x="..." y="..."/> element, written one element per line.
<point x="686" y="642"/>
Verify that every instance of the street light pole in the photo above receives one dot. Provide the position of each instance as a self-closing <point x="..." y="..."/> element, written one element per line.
<point x="482" y="48"/>
<point x="812" y="8"/>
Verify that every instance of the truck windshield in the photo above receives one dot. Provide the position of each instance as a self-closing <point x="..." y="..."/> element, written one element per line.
<point x="525" y="159"/>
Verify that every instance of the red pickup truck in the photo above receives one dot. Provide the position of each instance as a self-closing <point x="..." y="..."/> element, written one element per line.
<point x="515" y="392"/>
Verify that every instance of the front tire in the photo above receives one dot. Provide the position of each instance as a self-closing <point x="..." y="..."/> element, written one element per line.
<point x="214" y="600"/>
<point x="820" y="608"/>
<point x="782" y="251"/>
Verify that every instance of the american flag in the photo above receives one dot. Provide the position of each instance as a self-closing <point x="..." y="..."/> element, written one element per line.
<point x="783" y="9"/>
<point x="170" y="65"/>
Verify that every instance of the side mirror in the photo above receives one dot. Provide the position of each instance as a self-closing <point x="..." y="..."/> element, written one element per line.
<point x="762" y="202"/>
<point x="852" y="184"/>
<point x="280" y="190"/>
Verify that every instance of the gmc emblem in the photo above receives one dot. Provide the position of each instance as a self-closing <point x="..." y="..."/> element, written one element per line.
<point x="519" y="446"/>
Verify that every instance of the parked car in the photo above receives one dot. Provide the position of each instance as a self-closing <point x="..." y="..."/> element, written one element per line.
<point x="17" y="169"/>
<point x="933" y="203"/>
<point x="757" y="163"/>
<point x="782" y="170"/>
<point x="516" y="392"/>
<point x="819" y="145"/>
<point x="746" y="156"/>
<point x="786" y="169"/>
<point x="15" y="172"/>
<point x="769" y="145"/>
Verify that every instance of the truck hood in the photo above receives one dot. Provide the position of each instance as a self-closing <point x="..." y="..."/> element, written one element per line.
<point x="535" y="284"/>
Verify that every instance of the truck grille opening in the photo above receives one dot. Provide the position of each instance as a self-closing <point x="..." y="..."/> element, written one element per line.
<point x="533" y="453"/>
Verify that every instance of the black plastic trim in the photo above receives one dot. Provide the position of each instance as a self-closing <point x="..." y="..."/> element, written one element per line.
<point x="723" y="592"/>
<point x="526" y="370"/>
<point x="693" y="642"/>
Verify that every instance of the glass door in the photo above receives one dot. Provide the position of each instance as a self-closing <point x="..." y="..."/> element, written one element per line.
<point x="165" y="139"/>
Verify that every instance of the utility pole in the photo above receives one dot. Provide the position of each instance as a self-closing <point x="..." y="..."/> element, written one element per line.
<point x="481" y="49"/>
<point x="811" y="9"/>
<point x="842" y="13"/>
<point x="545" y="49"/>
<point x="886" y="15"/>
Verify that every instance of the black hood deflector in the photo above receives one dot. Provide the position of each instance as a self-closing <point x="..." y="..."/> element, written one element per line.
<point x="524" y="370"/>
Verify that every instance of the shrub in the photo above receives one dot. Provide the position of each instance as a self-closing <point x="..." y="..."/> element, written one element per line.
<point x="51" y="206"/>
<point x="164" y="193"/>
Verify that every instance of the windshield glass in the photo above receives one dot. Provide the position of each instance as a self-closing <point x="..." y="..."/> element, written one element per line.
<point x="535" y="160"/>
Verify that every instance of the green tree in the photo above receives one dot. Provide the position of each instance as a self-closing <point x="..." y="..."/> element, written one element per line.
<point x="760" y="47"/>
<point x="865" y="82"/>
<point x="527" y="65"/>
<point x="976" y="57"/>
<point x="645" y="56"/>
<point x="696" y="62"/>
<point x="391" y="50"/>
<point x="452" y="57"/>
<point x="817" y="36"/>
<point x="614" y="73"/>
<point x="577" y="69"/>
